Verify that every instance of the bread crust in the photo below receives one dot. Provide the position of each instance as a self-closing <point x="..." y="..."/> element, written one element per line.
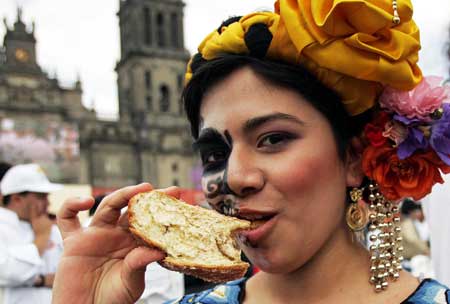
<point x="216" y="274"/>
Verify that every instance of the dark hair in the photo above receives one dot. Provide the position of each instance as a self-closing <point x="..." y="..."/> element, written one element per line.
<point x="7" y="198"/>
<point x="295" y="77"/>
<point x="409" y="205"/>
<point x="4" y="167"/>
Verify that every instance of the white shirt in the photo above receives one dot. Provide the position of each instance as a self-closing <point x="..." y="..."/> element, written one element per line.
<point x="20" y="262"/>
<point x="422" y="229"/>
<point x="161" y="285"/>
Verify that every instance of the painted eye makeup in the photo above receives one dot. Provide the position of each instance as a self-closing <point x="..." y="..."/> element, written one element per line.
<point x="213" y="158"/>
<point x="213" y="149"/>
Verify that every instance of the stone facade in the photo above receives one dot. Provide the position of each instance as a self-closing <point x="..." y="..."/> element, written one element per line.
<point x="151" y="139"/>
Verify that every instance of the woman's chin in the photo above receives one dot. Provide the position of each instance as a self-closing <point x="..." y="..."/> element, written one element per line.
<point x="270" y="263"/>
<point x="274" y="268"/>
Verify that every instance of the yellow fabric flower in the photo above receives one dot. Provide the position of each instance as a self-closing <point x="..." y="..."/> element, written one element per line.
<point x="352" y="46"/>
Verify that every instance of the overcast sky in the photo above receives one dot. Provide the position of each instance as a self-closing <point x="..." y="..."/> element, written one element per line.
<point x="81" y="37"/>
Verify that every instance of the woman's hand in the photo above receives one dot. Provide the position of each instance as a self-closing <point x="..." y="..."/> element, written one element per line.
<point x="102" y="263"/>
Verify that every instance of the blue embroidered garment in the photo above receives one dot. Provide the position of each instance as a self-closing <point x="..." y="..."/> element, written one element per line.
<point x="428" y="292"/>
<point x="228" y="293"/>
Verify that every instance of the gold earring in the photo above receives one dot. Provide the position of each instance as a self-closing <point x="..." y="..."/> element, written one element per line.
<point x="356" y="216"/>
<point x="383" y="221"/>
<point x="385" y="247"/>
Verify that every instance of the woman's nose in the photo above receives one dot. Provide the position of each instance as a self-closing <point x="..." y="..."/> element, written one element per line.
<point x="243" y="177"/>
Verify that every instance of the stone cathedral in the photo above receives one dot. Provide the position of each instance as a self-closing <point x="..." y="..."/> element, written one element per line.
<point x="150" y="141"/>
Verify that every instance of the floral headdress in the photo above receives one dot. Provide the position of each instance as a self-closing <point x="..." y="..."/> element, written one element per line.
<point x="367" y="51"/>
<point x="409" y="140"/>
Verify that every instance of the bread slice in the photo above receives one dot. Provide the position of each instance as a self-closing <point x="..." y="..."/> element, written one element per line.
<point x="197" y="241"/>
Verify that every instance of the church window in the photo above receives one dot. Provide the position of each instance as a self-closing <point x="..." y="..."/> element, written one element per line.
<point x="164" y="98"/>
<point x="149" y="103"/>
<point x="175" y="182"/>
<point x="148" y="80"/>
<point x="127" y="96"/>
<point x="147" y="26"/>
<point x="174" y="29"/>
<point x="174" y="167"/>
<point x="180" y="78"/>
<point x="160" y="26"/>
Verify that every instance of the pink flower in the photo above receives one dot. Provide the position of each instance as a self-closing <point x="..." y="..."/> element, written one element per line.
<point x="420" y="102"/>
<point x="395" y="131"/>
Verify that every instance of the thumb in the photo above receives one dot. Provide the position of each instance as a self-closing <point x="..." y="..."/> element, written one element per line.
<point x="133" y="270"/>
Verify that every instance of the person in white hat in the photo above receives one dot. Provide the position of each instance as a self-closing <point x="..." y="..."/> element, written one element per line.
<point x="30" y="243"/>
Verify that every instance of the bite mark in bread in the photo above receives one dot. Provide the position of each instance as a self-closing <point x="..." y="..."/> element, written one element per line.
<point x="197" y="241"/>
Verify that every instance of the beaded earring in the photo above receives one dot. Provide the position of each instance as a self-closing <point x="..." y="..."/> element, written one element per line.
<point x="384" y="233"/>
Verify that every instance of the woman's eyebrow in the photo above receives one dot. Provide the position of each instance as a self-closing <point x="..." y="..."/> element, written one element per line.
<point x="256" y="122"/>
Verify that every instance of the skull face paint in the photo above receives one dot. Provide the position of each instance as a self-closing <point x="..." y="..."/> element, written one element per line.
<point x="215" y="149"/>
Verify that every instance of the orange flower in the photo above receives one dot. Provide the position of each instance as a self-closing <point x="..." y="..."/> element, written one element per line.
<point x="412" y="177"/>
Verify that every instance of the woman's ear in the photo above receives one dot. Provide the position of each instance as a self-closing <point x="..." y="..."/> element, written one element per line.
<point x="353" y="157"/>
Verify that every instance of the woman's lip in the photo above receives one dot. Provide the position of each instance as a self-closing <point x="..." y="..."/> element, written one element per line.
<point x="254" y="236"/>
<point x="247" y="213"/>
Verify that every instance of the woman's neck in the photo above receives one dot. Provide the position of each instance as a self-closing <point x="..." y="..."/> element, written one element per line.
<point x="338" y="273"/>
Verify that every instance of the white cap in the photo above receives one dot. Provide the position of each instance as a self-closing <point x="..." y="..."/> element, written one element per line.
<point x="26" y="178"/>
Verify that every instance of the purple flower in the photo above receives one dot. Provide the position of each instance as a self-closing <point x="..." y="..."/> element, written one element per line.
<point x="406" y="121"/>
<point x="416" y="140"/>
<point x="440" y="135"/>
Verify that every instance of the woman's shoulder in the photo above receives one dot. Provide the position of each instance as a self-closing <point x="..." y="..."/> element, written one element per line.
<point x="229" y="293"/>
<point x="429" y="291"/>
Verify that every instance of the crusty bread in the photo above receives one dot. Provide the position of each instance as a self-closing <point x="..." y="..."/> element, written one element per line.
<point x="197" y="241"/>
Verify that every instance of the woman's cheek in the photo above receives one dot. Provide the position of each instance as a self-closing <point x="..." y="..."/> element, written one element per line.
<point x="291" y="174"/>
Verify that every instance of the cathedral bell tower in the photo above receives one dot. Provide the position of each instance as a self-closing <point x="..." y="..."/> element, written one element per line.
<point x="153" y="58"/>
<point x="20" y="47"/>
<point x="150" y="81"/>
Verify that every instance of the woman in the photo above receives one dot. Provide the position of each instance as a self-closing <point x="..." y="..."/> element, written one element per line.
<point x="284" y="109"/>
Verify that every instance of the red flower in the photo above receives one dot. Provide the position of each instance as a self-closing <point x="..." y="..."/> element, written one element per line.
<point x="412" y="177"/>
<point x="374" y="130"/>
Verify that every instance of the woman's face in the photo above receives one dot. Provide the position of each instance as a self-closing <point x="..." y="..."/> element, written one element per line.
<point x="268" y="154"/>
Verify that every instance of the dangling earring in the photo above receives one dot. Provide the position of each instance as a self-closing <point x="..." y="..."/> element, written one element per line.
<point x="385" y="247"/>
<point x="356" y="215"/>
<point x="384" y="229"/>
